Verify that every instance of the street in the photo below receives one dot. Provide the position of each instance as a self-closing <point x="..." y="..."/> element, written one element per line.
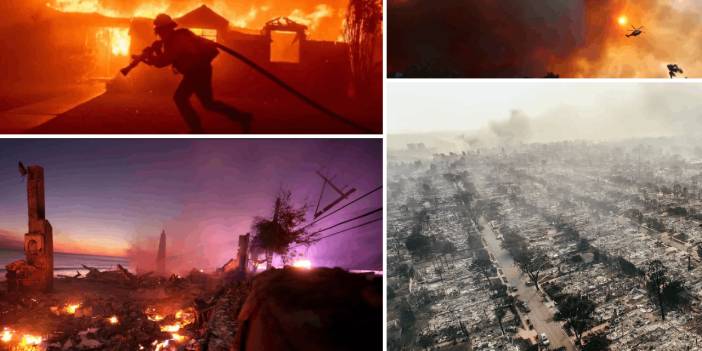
<point x="540" y="315"/>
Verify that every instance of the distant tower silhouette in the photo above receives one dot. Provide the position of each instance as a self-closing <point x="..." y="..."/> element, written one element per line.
<point x="161" y="257"/>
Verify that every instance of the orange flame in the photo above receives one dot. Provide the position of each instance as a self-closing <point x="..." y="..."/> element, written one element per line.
<point x="71" y="308"/>
<point x="253" y="17"/>
<point x="306" y="264"/>
<point x="6" y="335"/>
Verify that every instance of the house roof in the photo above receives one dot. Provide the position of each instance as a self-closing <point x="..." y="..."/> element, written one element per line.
<point x="203" y="17"/>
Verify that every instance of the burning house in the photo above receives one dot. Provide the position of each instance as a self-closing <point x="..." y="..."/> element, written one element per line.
<point x="281" y="46"/>
<point x="94" y="46"/>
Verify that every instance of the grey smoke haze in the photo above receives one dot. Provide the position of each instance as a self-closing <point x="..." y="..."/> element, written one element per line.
<point x="502" y="112"/>
<point x="515" y="129"/>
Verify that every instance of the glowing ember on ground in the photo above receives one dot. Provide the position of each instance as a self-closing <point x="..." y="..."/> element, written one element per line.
<point x="30" y="340"/>
<point x="113" y="320"/>
<point x="177" y="337"/>
<point x="71" y="308"/>
<point x="306" y="264"/>
<point x="153" y="315"/>
<point x="622" y="20"/>
<point x="160" y="345"/>
<point x="171" y="328"/>
<point x="6" y="335"/>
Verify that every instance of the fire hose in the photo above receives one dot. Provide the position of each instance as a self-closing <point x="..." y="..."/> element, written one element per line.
<point x="275" y="79"/>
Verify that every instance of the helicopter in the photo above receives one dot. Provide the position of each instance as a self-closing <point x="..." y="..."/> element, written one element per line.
<point x="673" y="70"/>
<point x="635" y="32"/>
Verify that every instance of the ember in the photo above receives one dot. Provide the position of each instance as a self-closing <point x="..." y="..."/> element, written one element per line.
<point x="113" y="320"/>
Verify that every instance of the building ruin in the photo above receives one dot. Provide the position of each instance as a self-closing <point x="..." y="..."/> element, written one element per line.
<point x="161" y="256"/>
<point x="35" y="272"/>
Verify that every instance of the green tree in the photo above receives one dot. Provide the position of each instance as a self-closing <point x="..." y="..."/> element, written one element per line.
<point x="418" y="245"/>
<point x="425" y="341"/>
<point x="407" y="318"/>
<point x="532" y="262"/>
<point x="482" y="266"/>
<point x="577" y="311"/>
<point x="500" y="315"/>
<point x="598" y="342"/>
<point x="664" y="291"/>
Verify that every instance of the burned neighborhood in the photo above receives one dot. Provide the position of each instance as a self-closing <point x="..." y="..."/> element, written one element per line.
<point x="521" y="235"/>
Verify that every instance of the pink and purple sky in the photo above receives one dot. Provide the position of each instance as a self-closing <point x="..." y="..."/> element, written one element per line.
<point x="114" y="196"/>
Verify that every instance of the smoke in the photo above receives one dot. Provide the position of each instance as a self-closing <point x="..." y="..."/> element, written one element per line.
<point x="655" y="111"/>
<point x="515" y="129"/>
<point x="572" y="38"/>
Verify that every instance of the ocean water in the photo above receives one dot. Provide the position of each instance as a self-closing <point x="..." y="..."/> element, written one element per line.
<point x="64" y="263"/>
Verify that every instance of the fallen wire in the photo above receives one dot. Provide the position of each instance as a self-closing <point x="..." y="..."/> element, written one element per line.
<point x="290" y="89"/>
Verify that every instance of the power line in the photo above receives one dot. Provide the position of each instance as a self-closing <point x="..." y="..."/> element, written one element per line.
<point x="379" y="209"/>
<point x="341" y="231"/>
<point x="348" y="220"/>
<point x="342" y="207"/>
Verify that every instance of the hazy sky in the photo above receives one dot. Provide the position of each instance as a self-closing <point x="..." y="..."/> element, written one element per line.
<point x="586" y="106"/>
<point x="115" y="196"/>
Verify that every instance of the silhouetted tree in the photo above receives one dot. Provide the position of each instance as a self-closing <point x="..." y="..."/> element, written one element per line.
<point x="275" y="235"/>
<point x="362" y="31"/>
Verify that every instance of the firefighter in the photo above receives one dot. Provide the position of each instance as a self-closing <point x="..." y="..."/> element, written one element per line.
<point x="191" y="56"/>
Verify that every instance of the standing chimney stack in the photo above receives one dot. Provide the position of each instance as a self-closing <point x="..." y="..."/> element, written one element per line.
<point x="161" y="257"/>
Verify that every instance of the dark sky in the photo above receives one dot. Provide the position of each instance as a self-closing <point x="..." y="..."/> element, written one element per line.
<point x="113" y="196"/>
<point x="521" y="38"/>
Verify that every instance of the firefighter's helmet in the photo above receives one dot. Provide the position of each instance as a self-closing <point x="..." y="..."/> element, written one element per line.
<point x="164" y="21"/>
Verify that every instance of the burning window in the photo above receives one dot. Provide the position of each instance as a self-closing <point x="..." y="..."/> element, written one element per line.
<point x="210" y="34"/>
<point x="117" y="39"/>
<point x="285" y="47"/>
